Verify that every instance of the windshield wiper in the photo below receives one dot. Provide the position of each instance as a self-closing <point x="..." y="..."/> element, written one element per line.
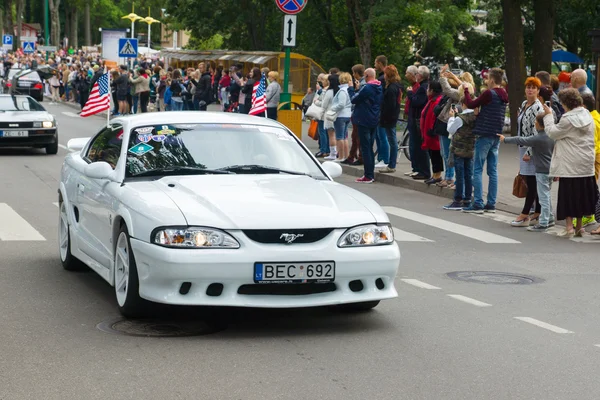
<point x="255" y="168"/>
<point x="180" y="171"/>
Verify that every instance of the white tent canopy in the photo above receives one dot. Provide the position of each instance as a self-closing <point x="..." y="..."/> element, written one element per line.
<point x="144" y="50"/>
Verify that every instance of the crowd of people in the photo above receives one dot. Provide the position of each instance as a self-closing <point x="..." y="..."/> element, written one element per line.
<point x="455" y="131"/>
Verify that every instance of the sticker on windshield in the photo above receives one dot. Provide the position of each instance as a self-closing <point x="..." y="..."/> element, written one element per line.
<point x="147" y="129"/>
<point x="140" y="149"/>
<point x="281" y="134"/>
<point x="145" y="138"/>
<point x="166" y="130"/>
<point x="159" y="138"/>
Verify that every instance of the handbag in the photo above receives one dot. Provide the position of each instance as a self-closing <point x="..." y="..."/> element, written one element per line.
<point x="313" y="130"/>
<point x="331" y="116"/>
<point x="315" y="112"/>
<point x="520" y="187"/>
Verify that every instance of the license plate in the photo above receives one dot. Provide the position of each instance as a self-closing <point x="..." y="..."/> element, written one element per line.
<point x="300" y="272"/>
<point x="14" y="133"/>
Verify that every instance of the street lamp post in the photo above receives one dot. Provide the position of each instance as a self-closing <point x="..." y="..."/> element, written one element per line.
<point x="149" y="20"/>
<point x="132" y="17"/>
<point x="46" y="33"/>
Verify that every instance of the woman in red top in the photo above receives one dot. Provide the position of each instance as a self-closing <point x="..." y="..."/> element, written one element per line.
<point x="431" y="141"/>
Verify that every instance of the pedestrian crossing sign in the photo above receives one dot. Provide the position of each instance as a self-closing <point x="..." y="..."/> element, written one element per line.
<point x="28" y="47"/>
<point x="128" y="48"/>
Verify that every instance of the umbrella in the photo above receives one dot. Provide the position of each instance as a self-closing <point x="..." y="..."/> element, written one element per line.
<point x="561" y="56"/>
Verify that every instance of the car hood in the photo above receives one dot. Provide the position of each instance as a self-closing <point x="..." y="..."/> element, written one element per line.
<point x="268" y="202"/>
<point x="25" y="116"/>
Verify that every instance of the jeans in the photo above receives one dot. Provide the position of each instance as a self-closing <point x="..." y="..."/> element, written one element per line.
<point x="445" y="144"/>
<point x="197" y="106"/>
<point x="464" y="182"/>
<point x="144" y="98"/>
<point x="383" y="147"/>
<point x="341" y="128"/>
<point x="393" y="142"/>
<point x="367" y="138"/>
<point x="323" y="138"/>
<point x="544" y="184"/>
<point x="486" y="150"/>
<point x="136" y="100"/>
<point x="176" y="105"/>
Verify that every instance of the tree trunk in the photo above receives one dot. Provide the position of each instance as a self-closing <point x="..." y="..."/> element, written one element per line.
<point x="68" y="13"/>
<point x="28" y="14"/>
<point x="54" y="23"/>
<point x="362" y="28"/>
<point x="20" y="8"/>
<point x="515" y="56"/>
<point x="545" y="14"/>
<point x="87" y="25"/>
<point x="9" y="26"/>
<point x="74" y="41"/>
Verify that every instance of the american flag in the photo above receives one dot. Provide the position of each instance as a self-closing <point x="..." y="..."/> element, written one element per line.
<point x="259" y="97"/>
<point x="99" y="99"/>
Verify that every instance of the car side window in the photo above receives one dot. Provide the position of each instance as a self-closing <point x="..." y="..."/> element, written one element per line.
<point x="106" y="146"/>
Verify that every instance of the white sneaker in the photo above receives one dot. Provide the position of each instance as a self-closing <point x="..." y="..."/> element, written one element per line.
<point x="339" y="160"/>
<point x="380" y="164"/>
<point x="331" y="156"/>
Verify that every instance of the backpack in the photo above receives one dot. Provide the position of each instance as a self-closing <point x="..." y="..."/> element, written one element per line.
<point x="175" y="88"/>
<point x="440" y="127"/>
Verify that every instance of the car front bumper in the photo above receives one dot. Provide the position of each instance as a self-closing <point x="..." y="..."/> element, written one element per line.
<point x="38" y="137"/>
<point x="162" y="271"/>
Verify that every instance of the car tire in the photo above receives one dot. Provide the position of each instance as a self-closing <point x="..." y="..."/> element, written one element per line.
<point x="68" y="261"/>
<point x="358" y="307"/>
<point x="126" y="281"/>
<point x="52" y="148"/>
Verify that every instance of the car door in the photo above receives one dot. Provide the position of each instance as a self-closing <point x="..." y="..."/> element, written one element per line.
<point x="95" y="196"/>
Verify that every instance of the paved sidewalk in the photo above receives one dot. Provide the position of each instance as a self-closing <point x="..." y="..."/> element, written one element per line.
<point x="508" y="167"/>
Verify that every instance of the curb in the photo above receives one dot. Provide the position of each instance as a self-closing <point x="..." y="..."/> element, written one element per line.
<point x="419" y="186"/>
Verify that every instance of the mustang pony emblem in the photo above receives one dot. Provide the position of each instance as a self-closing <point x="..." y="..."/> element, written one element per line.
<point x="290" y="237"/>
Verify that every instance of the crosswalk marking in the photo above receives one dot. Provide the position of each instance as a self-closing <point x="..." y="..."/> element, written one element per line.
<point x="462" y="230"/>
<point x="14" y="227"/>
<point x="403" y="236"/>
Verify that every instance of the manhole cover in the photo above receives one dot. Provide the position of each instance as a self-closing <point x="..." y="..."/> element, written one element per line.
<point x="160" y="328"/>
<point x="497" y="278"/>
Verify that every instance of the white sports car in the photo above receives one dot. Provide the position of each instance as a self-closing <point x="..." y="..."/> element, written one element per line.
<point x="219" y="209"/>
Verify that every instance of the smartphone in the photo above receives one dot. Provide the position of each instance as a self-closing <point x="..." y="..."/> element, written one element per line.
<point x="547" y="104"/>
<point x="453" y="106"/>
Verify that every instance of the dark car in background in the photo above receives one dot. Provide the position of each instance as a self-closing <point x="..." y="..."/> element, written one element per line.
<point x="25" y="82"/>
<point x="25" y="123"/>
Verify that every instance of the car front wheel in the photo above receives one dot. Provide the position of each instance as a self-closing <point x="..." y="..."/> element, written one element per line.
<point x="53" y="147"/>
<point x="131" y="305"/>
<point x="69" y="262"/>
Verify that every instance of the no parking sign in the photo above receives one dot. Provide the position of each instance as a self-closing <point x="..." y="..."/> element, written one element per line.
<point x="291" y="6"/>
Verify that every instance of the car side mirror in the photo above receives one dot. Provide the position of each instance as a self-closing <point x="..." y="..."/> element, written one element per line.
<point x="98" y="170"/>
<point x="333" y="169"/>
<point x="77" y="144"/>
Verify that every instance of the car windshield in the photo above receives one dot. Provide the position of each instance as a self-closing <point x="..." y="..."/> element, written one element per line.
<point x="19" y="103"/>
<point x="216" y="148"/>
<point x="30" y="76"/>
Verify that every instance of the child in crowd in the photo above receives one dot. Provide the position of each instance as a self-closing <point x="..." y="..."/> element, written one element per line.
<point x="542" y="147"/>
<point x="462" y="148"/>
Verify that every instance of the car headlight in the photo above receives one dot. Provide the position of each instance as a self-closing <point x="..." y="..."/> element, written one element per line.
<point x="367" y="235"/>
<point x="194" y="238"/>
<point x="47" y="124"/>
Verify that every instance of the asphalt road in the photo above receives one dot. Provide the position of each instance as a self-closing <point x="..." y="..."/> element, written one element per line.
<point x="442" y="338"/>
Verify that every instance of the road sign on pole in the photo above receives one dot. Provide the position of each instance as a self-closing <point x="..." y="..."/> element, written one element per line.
<point x="291" y="6"/>
<point x="289" y="30"/>
<point x="128" y="48"/>
<point x="47" y="48"/>
<point x="28" y="47"/>
<point x="7" y="42"/>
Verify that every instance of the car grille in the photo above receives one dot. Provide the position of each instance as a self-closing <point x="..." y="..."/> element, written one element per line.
<point x="285" y="236"/>
<point x="285" y="289"/>
<point x="10" y="125"/>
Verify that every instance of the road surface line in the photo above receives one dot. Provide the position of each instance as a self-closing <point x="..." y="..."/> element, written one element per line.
<point x="70" y="114"/>
<point x="469" y="300"/>
<point x="542" y="324"/>
<point x="419" y="284"/>
<point x="14" y="227"/>
<point x="56" y="204"/>
<point x="438" y="223"/>
<point x="403" y="236"/>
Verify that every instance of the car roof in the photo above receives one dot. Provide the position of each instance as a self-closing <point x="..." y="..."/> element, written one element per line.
<point x="197" y="117"/>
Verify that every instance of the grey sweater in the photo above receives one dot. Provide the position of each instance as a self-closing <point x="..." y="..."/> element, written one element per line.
<point x="541" y="145"/>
